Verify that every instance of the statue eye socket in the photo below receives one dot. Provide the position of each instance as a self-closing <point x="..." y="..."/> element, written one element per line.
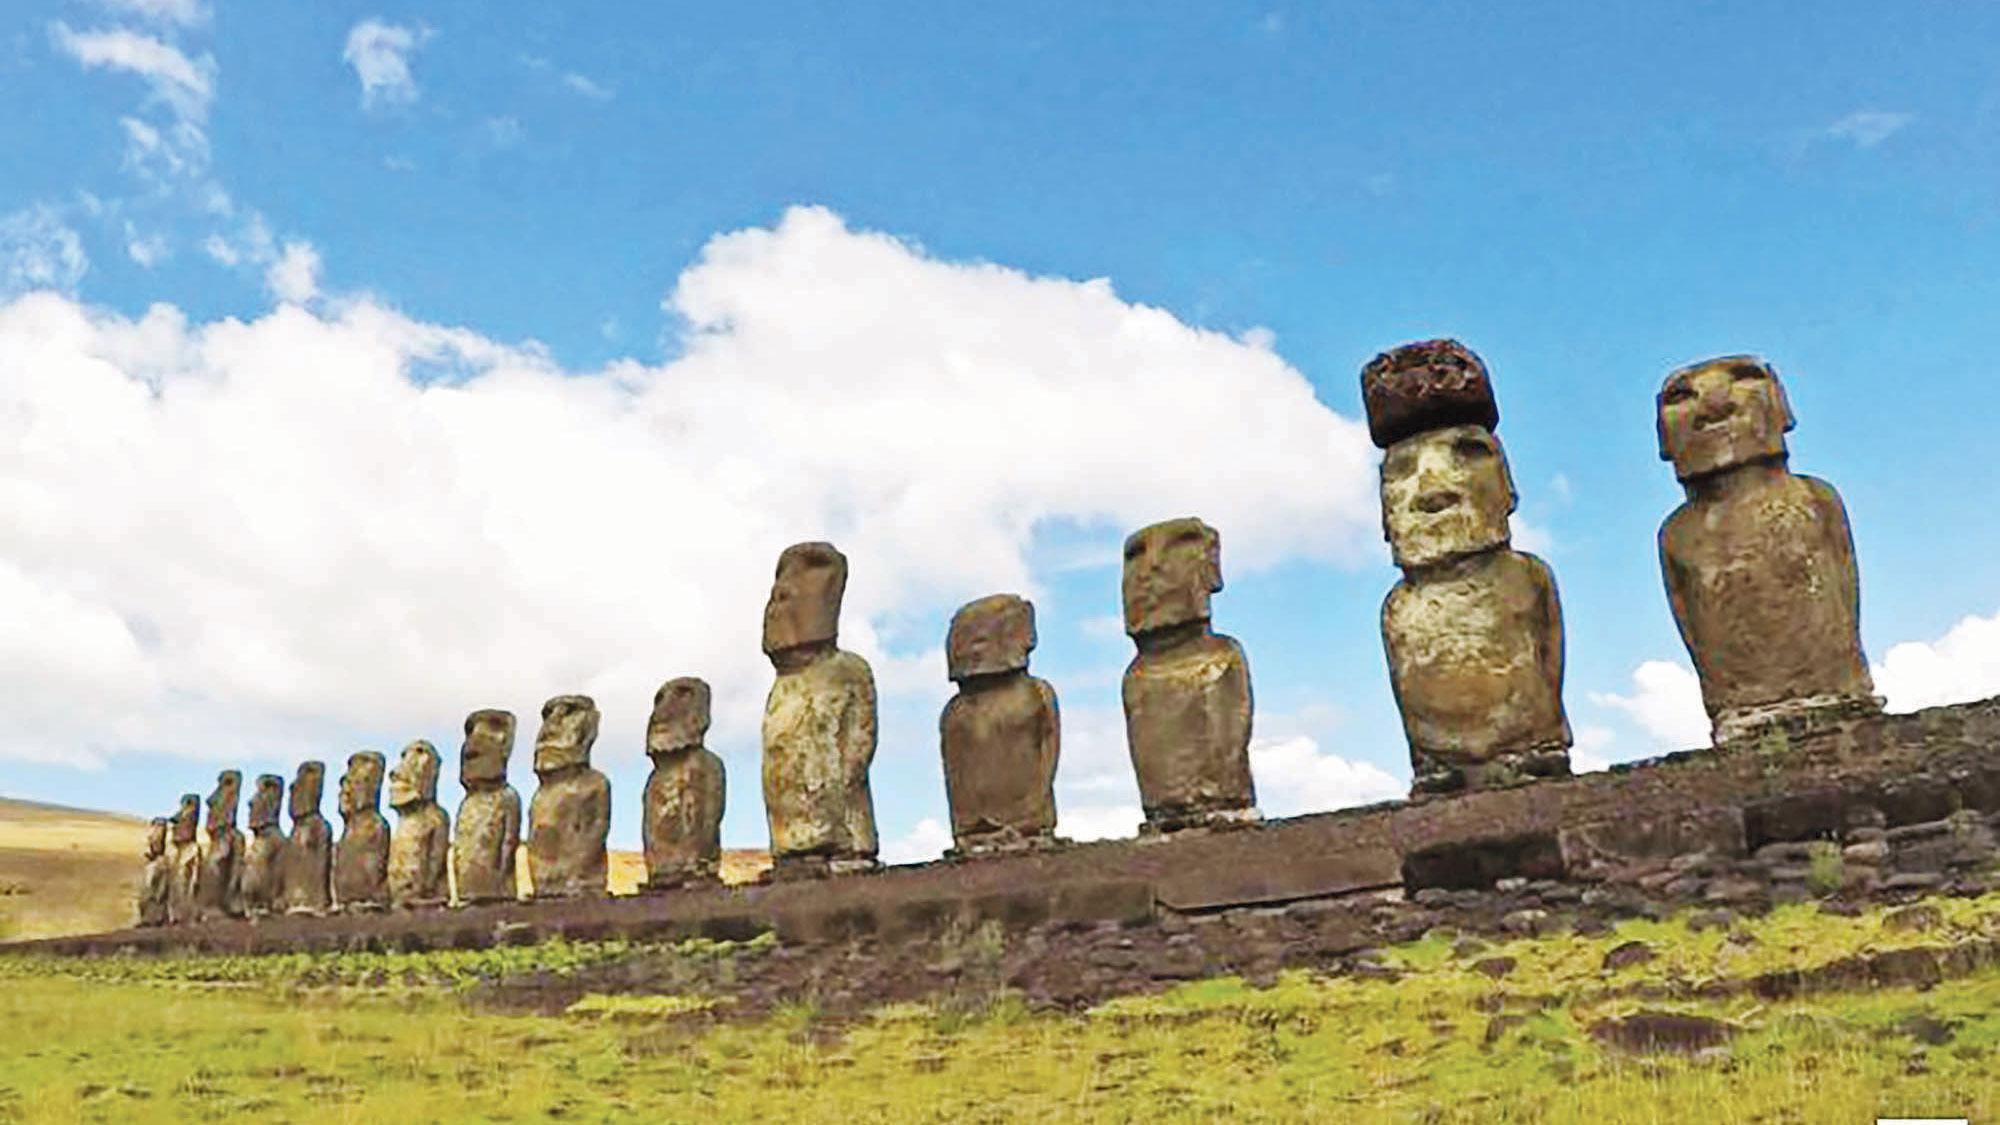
<point x="1678" y="393"/>
<point x="1471" y="448"/>
<point x="1745" y="373"/>
<point x="1134" y="549"/>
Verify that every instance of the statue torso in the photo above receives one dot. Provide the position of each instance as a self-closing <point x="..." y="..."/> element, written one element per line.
<point x="1187" y="722"/>
<point x="999" y="745"/>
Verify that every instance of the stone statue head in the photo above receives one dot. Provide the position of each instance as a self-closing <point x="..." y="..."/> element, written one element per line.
<point x="306" y="790"/>
<point x="1721" y="413"/>
<point x="361" y="785"/>
<point x="805" y="598"/>
<point x="489" y="743"/>
<point x="569" y="729"/>
<point x="1445" y="494"/>
<point x="1170" y="570"/>
<point x="1427" y="385"/>
<point x="187" y="819"/>
<point x="989" y="636"/>
<point x="223" y="801"/>
<point x="414" y="781"/>
<point x="156" y="837"/>
<point x="680" y="716"/>
<point x="265" y="800"/>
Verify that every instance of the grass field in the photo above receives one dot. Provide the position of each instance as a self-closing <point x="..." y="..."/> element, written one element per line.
<point x="407" y="1037"/>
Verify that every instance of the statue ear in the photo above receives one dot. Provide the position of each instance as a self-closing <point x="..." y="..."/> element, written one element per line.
<point x="1507" y="474"/>
<point x="1660" y="424"/>
<point x="1784" y="403"/>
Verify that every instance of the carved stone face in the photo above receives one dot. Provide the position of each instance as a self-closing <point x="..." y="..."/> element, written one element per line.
<point x="569" y="729"/>
<point x="156" y="837"/>
<point x="680" y="716"/>
<point x="1170" y="570"/>
<point x="805" y="598"/>
<point x="1721" y="413"/>
<point x="306" y="789"/>
<point x="1445" y="494"/>
<point x="415" y="778"/>
<point x="990" y="636"/>
<point x="265" y="801"/>
<point x="361" y="785"/>
<point x="223" y="801"/>
<point x="489" y="743"/>
<point x="187" y="819"/>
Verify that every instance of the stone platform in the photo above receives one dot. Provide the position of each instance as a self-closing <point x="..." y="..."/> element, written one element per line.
<point x="1856" y="807"/>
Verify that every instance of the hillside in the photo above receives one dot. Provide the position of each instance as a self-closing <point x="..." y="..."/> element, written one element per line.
<point x="66" y="871"/>
<point x="73" y="871"/>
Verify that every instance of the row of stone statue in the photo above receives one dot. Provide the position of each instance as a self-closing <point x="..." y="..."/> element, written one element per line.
<point x="1759" y="569"/>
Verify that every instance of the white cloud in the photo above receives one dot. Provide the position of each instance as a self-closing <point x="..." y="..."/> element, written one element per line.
<point x="39" y="251"/>
<point x="294" y="277"/>
<point x="1098" y="822"/>
<point x="925" y="842"/>
<point x="186" y="13"/>
<point x="1594" y="749"/>
<point x="148" y="250"/>
<point x="1294" y="776"/>
<point x="345" y="521"/>
<point x="1666" y="704"/>
<point x="1531" y="537"/>
<point x="1869" y="127"/>
<point x="587" y="87"/>
<point x="380" y="55"/>
<point x="504" y="132"/>
<point x="187" y="85"/>
<point x="1961" y="666"/>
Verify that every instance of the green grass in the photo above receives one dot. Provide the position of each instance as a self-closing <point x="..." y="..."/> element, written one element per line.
<point x="224" y="1038"/>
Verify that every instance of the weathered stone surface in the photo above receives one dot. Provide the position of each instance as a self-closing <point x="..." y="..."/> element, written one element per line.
<point x="488" y="832"/>
<point x="361" y="858"/>
<point x="263" y="884"/>
<point x="1759" y="563"/>
<point x="1473" y="632"/>
<point x="1425" y="386"/>
<point x="1653" y="1032"/>
<point x="1001" y="734"/>
<point x="156" y="885"/>
<point x="1187" y="692"/>
<point x="222" y="859"/>
<point x="819" y="721"/>
<point x="184" y="855"/>
<point x="570" y="816"/>
<point x="420" y="845"/>
<point x="686" y="792"/>
<point x="309" y="850"/>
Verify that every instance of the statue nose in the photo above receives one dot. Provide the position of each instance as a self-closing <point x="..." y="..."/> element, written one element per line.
<point x="1436" y="500"/>
<point x="1714" y="407"/>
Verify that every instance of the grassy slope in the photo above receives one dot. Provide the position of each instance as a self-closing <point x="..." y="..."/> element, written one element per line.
<point x="66" y="870"/>
<point x="214" y="1039"/>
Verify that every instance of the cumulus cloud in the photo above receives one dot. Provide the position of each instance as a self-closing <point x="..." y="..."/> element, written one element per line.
<point x="1961" y="666"/>
<point x="294" y="277"/>
<point x="39" y="251"/>
<point x="187" y="85"/>
<point x="1294" y="776"/>
<point x="380" y="55"/>
<point x="339" y="519"/>
<point x="1868" y="127"/>
<point x="1098" y="822"/>
<point x="925" y="842"/>
<point x="1665" y="703"/>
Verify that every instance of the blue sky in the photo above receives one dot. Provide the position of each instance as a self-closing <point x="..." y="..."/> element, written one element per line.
<point x="1586" y="196"/>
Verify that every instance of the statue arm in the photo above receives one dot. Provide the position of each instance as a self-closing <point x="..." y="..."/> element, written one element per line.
<point x="510" y="835"/>
<point x="1549" y="604"/>
<point x="1675" y="575"/>
<point x="1839" y="540"/>
<point x="1051" y="747"/>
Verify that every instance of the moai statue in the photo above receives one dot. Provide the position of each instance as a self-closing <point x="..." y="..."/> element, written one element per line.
<point x="156" y="887"/>
<point x="1001" y="733"/>
<point x="309" y="851"/>
<point x="489" y="819"/>
<point x="819" y="723"/>
<point x="222" y="862"/>
<point x="1187" y="692"/>
<point x="1759" y="562"/>
<point x="184" y="858"/>
<point x="264" y="858"/>
<point x="682" y="829"/>
<point x="420" y="847"/>
<point x="1474" y="630"/>
<point x="570" y="816"/>
<point x="361" y="858"/>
